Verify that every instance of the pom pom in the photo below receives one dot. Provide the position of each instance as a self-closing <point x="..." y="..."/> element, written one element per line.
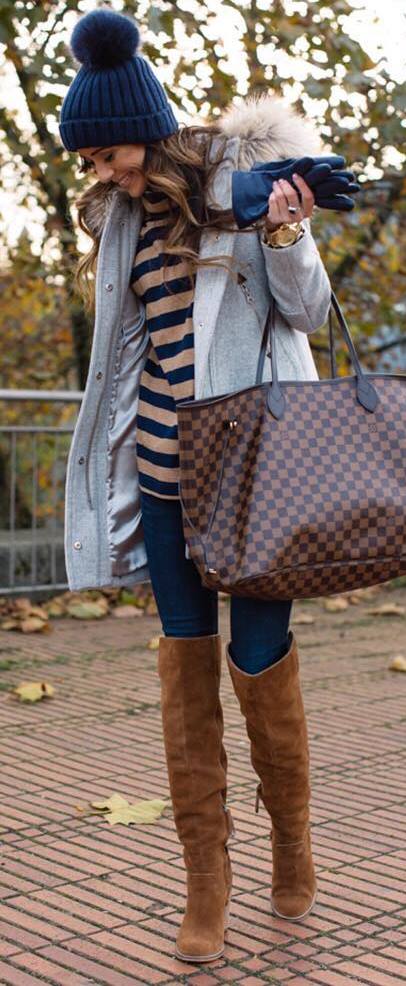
<point x="103" y="39"/>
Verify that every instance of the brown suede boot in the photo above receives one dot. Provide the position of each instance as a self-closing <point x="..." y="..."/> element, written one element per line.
<point x="272" y="704"/>
<point x="192" y="719"/>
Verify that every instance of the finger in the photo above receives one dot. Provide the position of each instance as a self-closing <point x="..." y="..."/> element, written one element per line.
<point x="308" y="198"/>
<point x="274" y="215"/>
<point x="289" y="200"/>
<point x="292" y="199"/>
<point x="281" y="204"/>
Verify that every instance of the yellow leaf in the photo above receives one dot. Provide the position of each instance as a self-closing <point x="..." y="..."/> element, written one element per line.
<point x="336" y="604"/>
<point x="54" y="608"/>
<point x="22" y="605"/>
<point x="144" y="812"/>
<point x="303" y="618"/>
<point x="388" y="609"/>
<point x="398" y="663"/>
<point x="127" y="612"/>
<point x="33" y="691"/>
<point x="114" y="801"/>
<point x="118" y="811"/>
<point x="151" y="609"/>
<point x="38" y="611"/>
<point x="87" y="610"/>
<point x="153" y="643"/>
<point x="33" y="623"/>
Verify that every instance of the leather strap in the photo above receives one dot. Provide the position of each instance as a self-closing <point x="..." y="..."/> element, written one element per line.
<point x="264" y="343"/>
<point x="366" y="393"/>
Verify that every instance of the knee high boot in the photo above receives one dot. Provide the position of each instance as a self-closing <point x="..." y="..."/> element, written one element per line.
<point x="272" y="704"/>
<point x="192" y="720"/>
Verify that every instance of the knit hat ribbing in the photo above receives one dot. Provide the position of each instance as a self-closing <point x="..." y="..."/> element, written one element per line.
<point x="115" y="98"/>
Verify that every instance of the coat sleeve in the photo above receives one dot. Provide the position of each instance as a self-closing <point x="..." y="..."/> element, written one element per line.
<point x="299" y="282"/>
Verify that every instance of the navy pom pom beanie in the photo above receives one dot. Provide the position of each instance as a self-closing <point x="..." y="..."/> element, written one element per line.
<point x="115" y="98"/>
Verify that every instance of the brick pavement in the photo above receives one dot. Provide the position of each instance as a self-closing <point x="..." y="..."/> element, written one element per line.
<point x="83" y="903"/>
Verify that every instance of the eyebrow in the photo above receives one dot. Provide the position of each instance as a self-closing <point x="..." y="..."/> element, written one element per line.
<point x="97" y="151"/>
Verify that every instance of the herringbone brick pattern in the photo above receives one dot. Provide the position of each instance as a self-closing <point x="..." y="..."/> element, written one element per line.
<point x="84" y="903"/>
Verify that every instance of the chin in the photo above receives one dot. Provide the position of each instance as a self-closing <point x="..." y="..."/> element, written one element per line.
<point x="136" y="189"/>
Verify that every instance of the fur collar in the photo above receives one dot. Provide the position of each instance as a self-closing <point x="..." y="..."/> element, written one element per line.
<point x="268" y="129"/>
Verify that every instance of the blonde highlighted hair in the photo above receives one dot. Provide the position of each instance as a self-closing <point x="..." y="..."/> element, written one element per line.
<point x="179" y="166"/>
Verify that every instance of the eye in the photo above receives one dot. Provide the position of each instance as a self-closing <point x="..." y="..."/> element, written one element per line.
<point x="85" y="166"/>
<point x="109" y="157"/>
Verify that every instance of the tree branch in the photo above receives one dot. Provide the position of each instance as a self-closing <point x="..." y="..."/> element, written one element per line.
<point x="14" y="138"/>
<point x="383" y="213"/>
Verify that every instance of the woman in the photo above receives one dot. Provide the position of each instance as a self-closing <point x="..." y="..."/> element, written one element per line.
<point x="181" y="297"/>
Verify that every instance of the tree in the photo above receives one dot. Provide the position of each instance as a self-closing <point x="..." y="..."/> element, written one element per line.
<point x="356" y="103"/>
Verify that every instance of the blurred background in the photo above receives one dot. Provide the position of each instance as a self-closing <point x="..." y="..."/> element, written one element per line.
<point x="341" y="63"/>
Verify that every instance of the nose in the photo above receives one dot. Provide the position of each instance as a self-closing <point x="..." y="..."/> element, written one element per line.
<point x="104" y="173"/>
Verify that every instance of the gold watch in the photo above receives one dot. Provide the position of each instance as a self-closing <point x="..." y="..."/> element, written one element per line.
<point x="285" y="235"/>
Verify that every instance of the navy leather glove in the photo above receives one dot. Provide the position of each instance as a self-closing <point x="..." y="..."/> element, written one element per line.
<point x="331" y="186"/>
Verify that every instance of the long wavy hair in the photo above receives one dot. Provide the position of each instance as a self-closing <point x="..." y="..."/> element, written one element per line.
<point x="179" y="167"/>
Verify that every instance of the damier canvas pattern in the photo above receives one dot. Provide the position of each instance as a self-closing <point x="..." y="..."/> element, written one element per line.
<point x="310" y="505"/>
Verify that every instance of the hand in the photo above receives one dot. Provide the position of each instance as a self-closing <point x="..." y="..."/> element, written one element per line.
<point x="284" y="194"/>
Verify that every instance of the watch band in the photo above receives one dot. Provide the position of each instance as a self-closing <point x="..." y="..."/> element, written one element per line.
<point x="286" y="235"/>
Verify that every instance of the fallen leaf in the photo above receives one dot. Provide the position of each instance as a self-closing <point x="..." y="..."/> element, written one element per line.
<point x="388" y="609"/>
<point x="151" y="609"/>
<point x="398" y="663"/>
<point x="335" y="604"/>
<point x="127" y="598"/>
<point x="33" y="691"/>
<point x="38" y="611"/>
<point x="302" y="618"/>
<point x="55" y="608"/>
<point x="363" y="592"/>
<point x="86" y="610"/>
<point x="34" y="623"/>
<point x="118" y="811"/>
<point x="10" y="625"/>
<point x="111" y="803"/>
<point x="23" y="604"/>
<point x="142" y="813"/>
<point x="153" y="643"/>
<point x="128" y="611"/>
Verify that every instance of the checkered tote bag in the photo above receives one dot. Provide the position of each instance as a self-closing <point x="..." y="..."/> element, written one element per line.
<point x="297" y="488"/>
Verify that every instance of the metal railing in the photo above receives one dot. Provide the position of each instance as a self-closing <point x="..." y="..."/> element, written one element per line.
<point x="33" y="459"/>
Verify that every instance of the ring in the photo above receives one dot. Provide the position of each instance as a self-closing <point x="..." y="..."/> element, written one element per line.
<point x="292" y="208"/>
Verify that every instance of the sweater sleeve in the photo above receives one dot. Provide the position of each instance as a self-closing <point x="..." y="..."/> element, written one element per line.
<point x="299" y="281"/>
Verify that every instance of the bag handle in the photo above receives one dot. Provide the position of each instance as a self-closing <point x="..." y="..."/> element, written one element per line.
<point x="366" y="393"/>
<point x="264" y="341"/>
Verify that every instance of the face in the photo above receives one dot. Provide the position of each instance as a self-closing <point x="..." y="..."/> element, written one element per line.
<point x="120" y="163"/>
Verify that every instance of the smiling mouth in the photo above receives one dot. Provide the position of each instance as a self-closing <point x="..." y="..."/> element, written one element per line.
<point x="126" y="180"/>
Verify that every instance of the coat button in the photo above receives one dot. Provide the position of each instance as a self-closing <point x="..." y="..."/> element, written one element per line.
<point x="109" y="287"/>
<point x="99" y="375"/>
<point x="77" y="545"/>
<point x="81" y="460"/>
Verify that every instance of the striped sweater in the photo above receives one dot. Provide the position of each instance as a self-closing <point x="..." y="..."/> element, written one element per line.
<point x="168" y="376"/>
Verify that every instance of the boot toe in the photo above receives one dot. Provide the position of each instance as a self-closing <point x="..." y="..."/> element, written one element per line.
<point x="292" y="906"/>
<point x="198" y="947"/>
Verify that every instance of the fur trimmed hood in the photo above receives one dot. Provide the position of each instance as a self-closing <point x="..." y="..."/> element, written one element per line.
<point x="268" y="128"/>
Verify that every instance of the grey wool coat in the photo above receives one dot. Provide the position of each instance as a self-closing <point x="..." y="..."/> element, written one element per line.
<point x="104" y="543"/>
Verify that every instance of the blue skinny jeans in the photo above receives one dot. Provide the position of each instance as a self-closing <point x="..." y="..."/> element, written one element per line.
<point x="259" y="628"/>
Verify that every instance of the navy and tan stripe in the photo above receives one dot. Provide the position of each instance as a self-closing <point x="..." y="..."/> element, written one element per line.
<point x="168" y="375"/>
